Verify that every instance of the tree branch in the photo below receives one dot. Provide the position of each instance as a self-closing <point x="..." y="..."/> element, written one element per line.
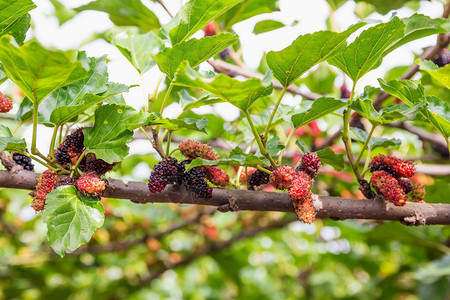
<point x="236" y="200"/>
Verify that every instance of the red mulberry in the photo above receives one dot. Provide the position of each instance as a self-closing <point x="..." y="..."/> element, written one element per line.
<point x="393" y="165"/>
<point x="91" y="183"/>
<point x="45" y="184"/>
<point x="194" y="149"/>
<point x="389" y="187"/>
<point x="310" y="164"/>
<point x="195" y="182"/>
<point x="405" y="184"/>
<point x="282" y="177"/>
<point x="216" y="176"/>
<point x="5" y="104"/>
<point x="301" y="187"/>
<point x="418" y="193"/>
<point x="305" y="210"/>
<point x="164" y="173"/>
<point x="70" y="149"/>
<point x="90" y="163"/>
<point x="23" y="161"/>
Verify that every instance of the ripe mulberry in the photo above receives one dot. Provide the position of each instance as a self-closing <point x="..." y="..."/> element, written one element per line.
<point x="164" y="172"/>
<point x="46" y="181"/>
<point x="90" y="163"/>
<point x="393" y="165"/>
<point x="195" y="182"/>
<point x="23" y="161"/>
<point x="259" y="178"/>
<point x="310" y="164"/>
<point x="418" y="193"/>
<point x="405" y="184"/>
<point x="67" y="181"/>
<point x="70" y="149"/>
<point x="301" y="187"/>
<point x="5" y="104"/>
<point x="243" y="178"/>
<point x="194" y="149"/>
<point x="282" y="177"/>
<point x="389" y="187"/>
<point x="305" y="210"/>
<point x="216" y="175"/>
<point x="443" y="58"/>
<point x="91" y="183"/>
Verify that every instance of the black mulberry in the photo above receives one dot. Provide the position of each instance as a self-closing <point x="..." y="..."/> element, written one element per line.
<point x="258" y="178"/>
<point x="164" y="172"/>
<point x="195" y="182"/>
<point x="23" y="160"/>
<point x="70" y="149"/>
<point x="90" y="163"/>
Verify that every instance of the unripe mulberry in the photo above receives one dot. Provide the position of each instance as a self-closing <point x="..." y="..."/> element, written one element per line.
<point x="216" y="175"/>
<point x="23" y="161"/>
<point x="301" y="186"/>
<point x="243" y="177"/>
<point x="5" y="104"/>
<point x="282" y="177"/>
<point x="195" y="182"/>
<point x="406" y="185"/>
<point x="418" y="193"/>
<point x="46" y="181"/>
<point x="305" y="210"/>
<point x="389" y="187"/>
<point x="310" y="164"/>
<point x="70" y="149"/>
<point x="90" y="163"/>
<point x="393" y="165"/>
<point x="210" y="29"/>
<point x="164" y="172"/>
<point x="194" y="149"/>
<point x="258" y="178"/>
<point x="91" y="183"/>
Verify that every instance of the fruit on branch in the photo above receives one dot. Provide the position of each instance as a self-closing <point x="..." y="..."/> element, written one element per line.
<point x="259" y="177"/>
<point x="305" y="210"/>
<point x="282" y="177"/>
<point x="393" y="165"/>
<point x="5" y="104"/>
<point x="70" y="149"/>
<point x="388" y="186"/>
<point x="243" y="177"/>
<point x="23" y="161"/>
<point x="46" y="181"/>
<point x="300" y="193"/>
<point x="406" y="185"/>
<point x="195" y="182"/>
<point x="418" y="193"/>
<point x="91" y="183"/>
<point x="66" y="180"/>
<point x="164" y="172"/>
<point x="310" y="164"/>
<point x="216" y="175"/>
<point x="194" y="149"/>
<point x="90" y="163"/>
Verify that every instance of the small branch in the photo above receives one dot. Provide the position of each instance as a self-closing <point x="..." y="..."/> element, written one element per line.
<point x="163" y="6"/>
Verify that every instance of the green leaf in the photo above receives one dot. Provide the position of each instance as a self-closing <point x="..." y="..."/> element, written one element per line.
<point x="266" y="26"/>
<point x="305" y="52"/>
<point x="239" y="93"/>
<point x="440" y="74"/>
<point x="188" y="102"/>
<point x="319" y="81"/>
<point x="327" y="156"/>
<point x="14" y="18"/>
<point x="246" y="10"/>
<point x="10" y="143"/>
<point x="368" y="49"/>
<point x="273" y="146"/>
<point x="138" y="48"/>
<point x="320" y="107"/>
<point x="194" y="51"/>
<point x="36" y="70"/>
<point x="71" y="219"/>
<point x="125" y="13"/>
<point x="302" y="146"/>
<point x="361" y="136"/>
<point x="25" y="112"/>
<point x="112" y="130"/>
<point x="196" y="14"/>
<point x="62" y="13"/>
<point x="385" y="6"/>
<point x="180" y="124"/>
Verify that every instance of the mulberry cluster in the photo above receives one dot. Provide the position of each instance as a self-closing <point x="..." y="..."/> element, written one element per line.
<point x="216" y="175"/>
<point x="91" y="183"/>
<point x="258" y="177"/>
<point x="70" y="149"/>
<point x="389" y="187"/>
<point x="300" y="193"/>
<point x="418" y="193"/>
<point x="395" y="166"/>
<point x="90" y="163"/>
<point x="282" y="177"/>
<point x="195" y="182"/>
<point x="165" y="172"/>
<point x="244" y="176"/>
<point x="45" y="184"/>
<point x="23" y="161"/>
<point x="310" y="164"/>
<point x="5" y="104"/>
<point x="194" y="149"/>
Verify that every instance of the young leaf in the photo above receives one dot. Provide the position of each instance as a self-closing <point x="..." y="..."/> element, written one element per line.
<point x="327" y="156"/>
<point x="194" y="51"/>
<point x="440" y="74"/>
<point x="246" y="10"/>
<point x="305" y="52"/>
<point x="320" y="107"/>
<point x="10" y="143"/>
<point x="361" y="136"/>
<point x="367" y="51"/>
<point x="273" y="146"/>
<point x="112" y="130"/>
<point x="195" y="14"/>
<point x="239" y="93"/>
<point x="180" y="124"/>
<point x="138" y="48"/>
<point x="14" y="18"/>
<point x="266" y="26"/>
<point x="71" y="219"/>
<point x="188" y="102"/>
<point x="36" y="70"/>
<point x="125" y="13"/>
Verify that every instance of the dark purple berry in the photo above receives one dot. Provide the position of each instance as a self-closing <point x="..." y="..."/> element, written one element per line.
<point x="164" y="173"/>
<point x="195" y="182"/>
<point x="405" y="184"/>
<point x="70" y="149"/>
<point x="258" y="178"/>
<point x="24" y="161"/>
<point x="90" y="163"/>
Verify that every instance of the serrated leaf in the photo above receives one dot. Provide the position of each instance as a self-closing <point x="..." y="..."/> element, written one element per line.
<point x="440" y="74"/>
<point x="361" y="136"/>
<point x="14" y="18"/>
<point x="327" y="156"/>
<point x="239" y="93"/>
<point x="179" y="124"/>
<point x="368" y="49"/>
<point x="305" y="52"/>
<point x="138" y="48"/>
<point x="266" y="26"/>
<point x="112" y="130"/>
<point x="196" y="14"/>
<point x="273" y="146"/>
<point x="10" y="143"/>
<point x="71" y="219"/>
<point x="194" y="51"/>
<point x="125" y="13"/>
<point x="246" y="10"/>
<point x="36" y="70"/>
<point x="302" y="146"/>
<point x="320" y="107"/>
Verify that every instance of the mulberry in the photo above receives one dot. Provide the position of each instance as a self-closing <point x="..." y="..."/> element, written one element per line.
<point x="258" y="178"/>
<point x="393" y="165"/>
<point x="91" y="183"/>
<point x="243" y="177"/>
<point x="389" y="187"/>
<point x="443" y="58"/>
<point x="224" y="54"/>
<point x="305" y="210"/>
<point x="70" y="149"/>
<point x="405" y="184"/>
<point x="67" y="181"/>
<point x="165" y="172"/>
<point x="418" y="193"/>
<point x="301" y="187"/>
<point x="345" y="93"/>
<point x="90" y="163"/>
<point x="216" y="176"/>
<point x="5" y="104"/>
<point x="23" y="161"/>
<point x="282" y="177"/>
<point x="195" y="182"/>
<point x="194" y="149"/>
<point x="310" y="164"/>
<point x="46" y="181"/>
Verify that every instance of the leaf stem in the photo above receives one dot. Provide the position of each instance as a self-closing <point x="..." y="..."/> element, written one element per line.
<point x="152" y="98"/>
<point x="35" y="119"/>
<point x="283" y="91"/>
<point x="358" y="159"/>
<point x="173" y="151"/>
<point x="366" y="164"/>
<point x="74" y="169"/>
<point x="264" y="170"/>
<point x="169" y="140"/>
<point x="38" y="160"/>
<point x="166" y="96"/>
<point x="286" y="143"/>
<point x="17" y="128"/>
<point x="52" y="144"/>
